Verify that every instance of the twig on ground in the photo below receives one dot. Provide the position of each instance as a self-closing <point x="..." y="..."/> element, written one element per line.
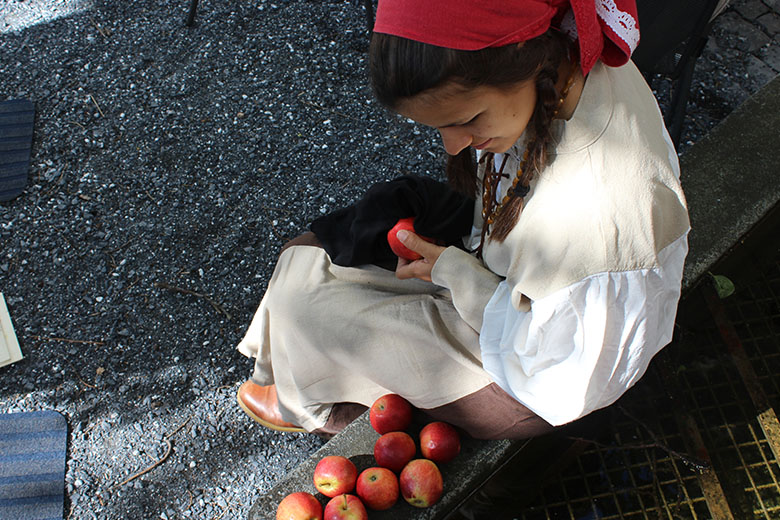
<point x="86" y="384"/>
<point x="111" y="251"/>
<point x="66" y="340"/>
<point x="168" y="449"/>
<point x="227" y="507"/>
<point x="214" y="304"/>
<point x="105" y="33"/>
<point x="695" y="464"/>
<point x="177" y="430"/>
<point x="269" y="208"/>
<point x="273" y="226"/>
<point x="78" y="377"/>
<point x="96" y="104"/>
<point x="150" y="468"/>
<point x="124" y="290"/>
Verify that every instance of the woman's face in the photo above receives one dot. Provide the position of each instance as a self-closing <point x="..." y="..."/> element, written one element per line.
<point x="485" y="118"/>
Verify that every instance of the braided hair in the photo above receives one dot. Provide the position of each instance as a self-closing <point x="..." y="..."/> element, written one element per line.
<point x="401" y="69"/>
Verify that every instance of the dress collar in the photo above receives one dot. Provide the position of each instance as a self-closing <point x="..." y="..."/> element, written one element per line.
<point x="591" y="116"/>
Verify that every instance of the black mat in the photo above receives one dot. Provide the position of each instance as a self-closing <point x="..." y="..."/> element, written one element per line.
<point x="32" y="465"/>
<point x="16" y="129"/>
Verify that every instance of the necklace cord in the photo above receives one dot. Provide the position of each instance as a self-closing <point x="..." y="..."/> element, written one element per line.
<point x="491" y="180"/>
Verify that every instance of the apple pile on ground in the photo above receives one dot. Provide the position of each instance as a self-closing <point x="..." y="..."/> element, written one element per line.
<point x="397" y="471"/>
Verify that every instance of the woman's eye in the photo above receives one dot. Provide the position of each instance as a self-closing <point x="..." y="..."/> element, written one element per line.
<point x="470" y="120"/>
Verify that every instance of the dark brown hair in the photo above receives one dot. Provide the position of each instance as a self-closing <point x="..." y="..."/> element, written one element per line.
<point x="401" y="69"/>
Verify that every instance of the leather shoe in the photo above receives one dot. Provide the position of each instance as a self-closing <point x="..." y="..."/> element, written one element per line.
<point x="261" y="404"/>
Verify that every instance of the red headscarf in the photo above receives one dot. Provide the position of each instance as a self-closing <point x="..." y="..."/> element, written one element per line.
<point x="605" y="29"/>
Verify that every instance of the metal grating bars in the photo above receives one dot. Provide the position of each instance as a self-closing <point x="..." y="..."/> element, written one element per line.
<point x="730" y="428"/>
<point x="755" y="313"/>
<point x="630" y="477"/>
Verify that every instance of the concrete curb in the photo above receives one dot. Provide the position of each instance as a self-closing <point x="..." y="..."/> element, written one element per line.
<point x="731" y="179"/>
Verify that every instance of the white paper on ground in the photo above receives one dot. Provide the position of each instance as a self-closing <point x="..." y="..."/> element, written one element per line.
<point x="9" y="346"/>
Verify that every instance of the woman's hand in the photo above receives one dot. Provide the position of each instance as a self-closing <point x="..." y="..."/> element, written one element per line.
<point x="418" y="268"/>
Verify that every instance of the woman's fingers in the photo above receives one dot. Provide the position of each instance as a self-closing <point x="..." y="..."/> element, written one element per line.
<point x="423" y="267"/>
<point x="414" y="269"/>
<point x="418" y="245"/>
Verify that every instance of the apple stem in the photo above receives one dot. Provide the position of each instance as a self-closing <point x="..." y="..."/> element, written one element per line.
<point x="345" y="500"/>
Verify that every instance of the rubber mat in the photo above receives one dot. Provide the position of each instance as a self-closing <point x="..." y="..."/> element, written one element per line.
<point x="32" y="465"/>
<point x="16" y="130"/>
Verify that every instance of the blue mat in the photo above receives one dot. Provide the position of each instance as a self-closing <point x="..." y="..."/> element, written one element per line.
<point x="32" y="465"/>
<point x="17" y="117"/>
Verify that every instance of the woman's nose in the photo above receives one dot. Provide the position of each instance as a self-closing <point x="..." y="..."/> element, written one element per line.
<point x="455" y="139"/>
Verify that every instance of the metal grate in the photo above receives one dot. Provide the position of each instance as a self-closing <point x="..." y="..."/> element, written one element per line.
<point x="756" y="316"/>
<point x="729" y="424"/>
<point x="632" y="475"/>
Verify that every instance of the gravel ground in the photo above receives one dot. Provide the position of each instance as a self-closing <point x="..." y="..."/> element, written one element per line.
<point x="169" y="165"/>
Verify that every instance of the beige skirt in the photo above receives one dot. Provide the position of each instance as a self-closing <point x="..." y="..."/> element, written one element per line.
<point x="326" y="334"/>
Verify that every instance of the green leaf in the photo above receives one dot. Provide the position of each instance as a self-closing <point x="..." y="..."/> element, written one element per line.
<point x="723" y="286"/>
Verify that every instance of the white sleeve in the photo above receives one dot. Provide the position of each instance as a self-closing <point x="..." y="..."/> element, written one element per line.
<point x="580" y="348"/>
<point x="471" y="285"/>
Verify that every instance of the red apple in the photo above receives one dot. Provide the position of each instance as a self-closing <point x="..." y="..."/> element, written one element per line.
<point x="439" y="442"/>
<point x="335" y="475"/>
<point x="421" y="483"/>
<point x="398" y="248"/>
<point x="345" y="507"/>
<point x="299" y="506"/>
<point x="393" y="450"/>
<point x="378" y="488"/>
<point x="390" y="413"/>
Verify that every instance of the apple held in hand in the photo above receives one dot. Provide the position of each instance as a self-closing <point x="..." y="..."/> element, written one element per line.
<point x="390" y="413"/>
<point x="377" y="488"/>
<point x="299" y="506"/>
<point x="393" y="450"/>
<point x="345" y="507"/>
<point x="439" y="442"/>
<point x="398" y="248"/>
<point x="335" y="475"/>
<point x="421" y="483"/>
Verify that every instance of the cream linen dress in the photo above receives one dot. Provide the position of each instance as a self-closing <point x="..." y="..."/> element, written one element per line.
<point x="564" y="315"/>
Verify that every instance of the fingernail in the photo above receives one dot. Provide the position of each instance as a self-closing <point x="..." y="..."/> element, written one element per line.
<point x="402" y="235"/>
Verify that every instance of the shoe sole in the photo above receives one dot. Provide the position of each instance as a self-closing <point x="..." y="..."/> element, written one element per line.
<point x="271" y="426"/>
